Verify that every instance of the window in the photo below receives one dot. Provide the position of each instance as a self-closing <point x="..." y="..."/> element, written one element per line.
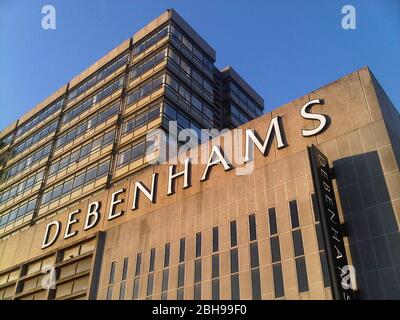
<point x="297" y="243"/>
<point x="255" y="284"/>
<point x="180" y="294"/>
<point x="152" y="258"/>
<point x="145" y="89"/>
<point x="138" y="264"/>
<point x="125" y="268"/>
<point x="92" y="122"/>
<point x="140" y="47"/>
<point x="150" y="282"/>
<point x="198" y="244"/>
<point x="215" y="289"/>
<point x="235" y="260"/>
<point x="294" y="215"/>
<point x="252" y="227"/>
<point x="278" y="280"/>
<point x="27" y="143"/>
<point x="301" y="274"/>
<point x="215" y="265"/>
<point x="181" y="275"/>
<point x="197" y="271"/>
<point x="197" y="291"/>
<point x="254" y="263"/>
<point x="235" y="290"/>
<point x="275" y="249"/>
<point x="233" y="233"/>
<point x="273" y="227"/>
<point x="38" y="118"/>
<point x="215" y="239"/>
<point x="112" y="273"/>
<point x="75" y="182"/>
<point x="98" y="76"/>
<point x="29" y="160"/>
<point x="167" y="249"/>
<point x="165" y="278"/>
<point x="82" y="107"/>
<point x="182" y="250"/>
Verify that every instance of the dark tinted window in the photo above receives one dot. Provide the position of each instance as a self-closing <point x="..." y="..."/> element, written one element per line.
<point x="278" y="280"/>
<point x="302" y="274"/>
<point x="294" y="214"/>
<point x="150" y="281"/>
<point x="254" y="263"/>
<point x="255" y="283"/>
<point x="252" y="227"/>
<point x="181" y="275"/>
<point x="112" y="273"/>
<point x="275" y="249"/>
<point x="152" y="257"/>
<point x="234" y="261"/>
<point x="138" y="263"/>
<point x="215" y="289"/>
<point x="182" y="250"/>
<point x="233" y="233"/>
<point x="165" y="280"/>
<point x="125" y="268"/>
<point x="197" y="270"/>
<point x="298" y="243"/>
<point x="215" y="239"/>
<point x="273" y="226"/>
<point x="198" y="244"/>
<point x="235" y="289"/>
<point x="166" y="254"/>
<point x="215" y="266"/>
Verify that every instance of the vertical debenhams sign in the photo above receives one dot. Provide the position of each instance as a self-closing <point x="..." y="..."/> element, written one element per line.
<point x="331" y="227"/>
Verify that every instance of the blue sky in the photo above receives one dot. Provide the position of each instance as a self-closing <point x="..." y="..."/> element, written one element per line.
<point x="283" y="48"/>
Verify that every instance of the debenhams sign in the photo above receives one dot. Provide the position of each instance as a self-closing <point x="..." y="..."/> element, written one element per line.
<point x="216" y="157"/>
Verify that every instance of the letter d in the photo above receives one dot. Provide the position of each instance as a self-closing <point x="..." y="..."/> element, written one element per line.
<point x="48" y="242"/>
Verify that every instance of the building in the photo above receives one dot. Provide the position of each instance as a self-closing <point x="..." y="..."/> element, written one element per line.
<point x="86" y="213"/>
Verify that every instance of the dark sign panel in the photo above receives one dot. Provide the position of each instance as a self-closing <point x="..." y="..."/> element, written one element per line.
<point x="332" y="232"/>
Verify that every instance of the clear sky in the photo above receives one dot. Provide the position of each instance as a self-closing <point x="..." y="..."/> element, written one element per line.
<point x="283" y="48"/>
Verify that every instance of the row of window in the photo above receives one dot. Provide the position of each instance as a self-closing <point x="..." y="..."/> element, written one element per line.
<point x="78" y="180"/>
<point x="238" y="115"/>
<point x="40" y="117"/>
<point x="198" y="106"/>
<point x="29" y="160"/>
<point x="135" y="152"/>
<point x="142" y="118"/>
<point x="34" y="138"/>
<point x="145" y="89"/>
<point x="301" y="270"/>
<point x="99" y="117"/>
<point x="192" y="75"/>
<point x="22" y="186"/>
<point x="76" y="111"/>
<point x="6" y="141"/>
<point x="183" y="122"/>
<point x="82" y="152"/>
<point x="195" y="52"/>
<point x="18" y="212"/>
<point x="98" y="76"/>
<point x="147" y="43"/>
<point x="148" y="64"/>
<point x="242" y="97"/>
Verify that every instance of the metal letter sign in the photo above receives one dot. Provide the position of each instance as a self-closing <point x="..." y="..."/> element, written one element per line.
<point x="330" y="223"/>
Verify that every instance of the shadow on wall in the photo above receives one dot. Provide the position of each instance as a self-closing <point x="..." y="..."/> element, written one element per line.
<point x="371" y="224"/>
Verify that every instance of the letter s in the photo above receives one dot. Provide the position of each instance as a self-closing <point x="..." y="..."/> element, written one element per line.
<point x="313" y="116"/>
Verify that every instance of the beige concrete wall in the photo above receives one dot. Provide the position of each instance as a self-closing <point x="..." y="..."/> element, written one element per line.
<point x="357" y="130"/>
